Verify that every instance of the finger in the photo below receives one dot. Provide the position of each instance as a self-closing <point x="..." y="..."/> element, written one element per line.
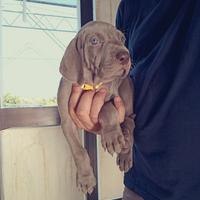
<point x="83" y="110"/>
<point x="73" y="100"/>
<point x="97" y="104"/>
<point x="94" y="130"/>
<point x="120" y="108"/>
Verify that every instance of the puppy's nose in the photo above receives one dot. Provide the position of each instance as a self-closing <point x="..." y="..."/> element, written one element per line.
<point x="123" y="57"/>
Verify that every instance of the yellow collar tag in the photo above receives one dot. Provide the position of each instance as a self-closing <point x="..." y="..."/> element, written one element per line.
<point x="90" y="87"/>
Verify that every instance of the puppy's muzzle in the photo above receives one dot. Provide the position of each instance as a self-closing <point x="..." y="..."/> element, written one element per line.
<point x="123" y="57"/>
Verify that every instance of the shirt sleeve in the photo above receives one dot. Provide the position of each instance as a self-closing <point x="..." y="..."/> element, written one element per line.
<point x="125" y="20"/>
<point x="120" y="16"/>
<point x="125" y="17"/>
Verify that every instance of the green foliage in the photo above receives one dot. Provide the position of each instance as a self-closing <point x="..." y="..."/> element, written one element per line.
<point x="10" y="100"/>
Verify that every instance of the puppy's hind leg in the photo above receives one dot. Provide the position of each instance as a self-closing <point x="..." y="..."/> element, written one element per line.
<point x="85" y="176"/>
<point x="125" y="157"/>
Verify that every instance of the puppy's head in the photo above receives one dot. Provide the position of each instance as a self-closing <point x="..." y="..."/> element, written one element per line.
<point x="96" y="55"/>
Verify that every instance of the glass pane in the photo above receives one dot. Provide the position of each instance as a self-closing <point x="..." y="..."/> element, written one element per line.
<point x="34" y="37"/>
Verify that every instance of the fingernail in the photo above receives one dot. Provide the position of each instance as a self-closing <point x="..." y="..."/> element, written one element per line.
<point x="117" y="99"/>
<point x="76" y="85"/>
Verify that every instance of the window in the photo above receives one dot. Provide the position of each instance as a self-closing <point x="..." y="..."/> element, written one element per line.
<point x="34" y="35"/>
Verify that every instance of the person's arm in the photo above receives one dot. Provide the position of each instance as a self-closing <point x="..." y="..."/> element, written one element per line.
<point x="125" y="17"/>
<point x="121" y="20"/>
<point x="84" y="107"/>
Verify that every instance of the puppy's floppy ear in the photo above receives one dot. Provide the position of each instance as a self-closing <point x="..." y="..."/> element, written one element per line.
<point x="70" y="66"/>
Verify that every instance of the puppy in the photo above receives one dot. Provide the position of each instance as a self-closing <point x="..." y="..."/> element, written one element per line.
<point x="97" y="58"/>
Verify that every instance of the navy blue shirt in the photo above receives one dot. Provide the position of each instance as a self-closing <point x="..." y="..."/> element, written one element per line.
<point x="163" y="37"/>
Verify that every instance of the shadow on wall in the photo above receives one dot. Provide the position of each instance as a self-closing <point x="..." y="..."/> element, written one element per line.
<point x="37" y="165"/>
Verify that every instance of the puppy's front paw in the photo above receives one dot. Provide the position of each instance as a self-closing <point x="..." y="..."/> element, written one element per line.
<point x="86" y="180"/>
<point x="113" y="141"/>
<point x="125" y="160"/>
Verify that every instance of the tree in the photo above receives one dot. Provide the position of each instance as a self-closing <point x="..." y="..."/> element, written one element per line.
<point x="10" y="100"/>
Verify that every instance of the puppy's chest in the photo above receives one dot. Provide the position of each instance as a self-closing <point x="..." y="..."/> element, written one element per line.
<point x="112" y="90"/>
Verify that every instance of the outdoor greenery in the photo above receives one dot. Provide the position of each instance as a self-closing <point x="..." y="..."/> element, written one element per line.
<point x="10" y="100"/>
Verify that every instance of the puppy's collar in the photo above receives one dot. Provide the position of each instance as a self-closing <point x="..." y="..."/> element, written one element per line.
<point x="90" y="87"/>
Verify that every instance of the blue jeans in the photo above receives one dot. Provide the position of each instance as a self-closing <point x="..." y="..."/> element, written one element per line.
<point x="130" y="195"/>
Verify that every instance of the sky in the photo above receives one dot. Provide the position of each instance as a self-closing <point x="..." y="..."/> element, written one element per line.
<point x="31" y="58"/>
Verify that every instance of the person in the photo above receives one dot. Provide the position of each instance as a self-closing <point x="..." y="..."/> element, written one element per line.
<point x="163" y="38"/>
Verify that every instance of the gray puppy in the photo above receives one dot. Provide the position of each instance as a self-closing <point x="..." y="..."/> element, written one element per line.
<point x="97" y="58"/>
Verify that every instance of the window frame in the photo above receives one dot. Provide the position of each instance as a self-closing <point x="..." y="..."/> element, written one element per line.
<point x="90" y="140"/>
<point x="29" y="117"/>
<point x="32" y="116"/>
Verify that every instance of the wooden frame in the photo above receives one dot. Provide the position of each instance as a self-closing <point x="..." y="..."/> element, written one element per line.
<point x="38" y="116"/>
<point x="90" y="139"/>
<point x="22" y="117"/>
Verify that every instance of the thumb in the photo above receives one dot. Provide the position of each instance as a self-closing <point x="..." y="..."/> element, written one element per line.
<point x="120" y="108"/>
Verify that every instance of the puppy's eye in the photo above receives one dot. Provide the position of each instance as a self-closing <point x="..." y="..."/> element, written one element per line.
<point x="94" y="41"/>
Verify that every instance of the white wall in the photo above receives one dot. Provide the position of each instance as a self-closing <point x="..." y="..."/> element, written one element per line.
<point x="37" y="165"/>
<point x="106" y="10"/>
